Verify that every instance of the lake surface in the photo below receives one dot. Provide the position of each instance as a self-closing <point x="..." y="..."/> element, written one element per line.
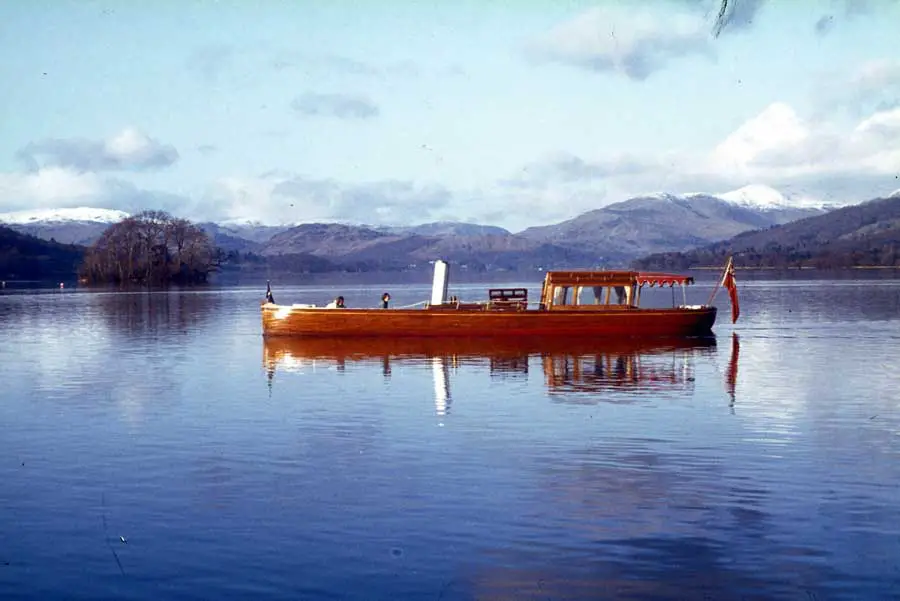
<point x="153" y="446"/>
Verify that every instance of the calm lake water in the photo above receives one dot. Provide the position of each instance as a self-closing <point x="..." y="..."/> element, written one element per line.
<point x="153" y="446"/>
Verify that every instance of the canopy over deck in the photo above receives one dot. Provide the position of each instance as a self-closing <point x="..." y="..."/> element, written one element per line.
<point x="615" y="278"/>
<point x="590" y="278"/>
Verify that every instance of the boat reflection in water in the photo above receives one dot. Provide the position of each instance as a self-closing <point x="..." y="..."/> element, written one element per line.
<point x="574" y="371"/>
<point x="578" y="377"/>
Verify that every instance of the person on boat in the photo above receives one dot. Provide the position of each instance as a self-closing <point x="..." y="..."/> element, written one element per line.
<point x="337" y="303"/>
<point x="385" y="299"/>
<point x="269" y="297"/>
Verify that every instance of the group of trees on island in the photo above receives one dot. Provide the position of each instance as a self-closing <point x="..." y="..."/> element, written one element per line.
<point x="151" y="247"/>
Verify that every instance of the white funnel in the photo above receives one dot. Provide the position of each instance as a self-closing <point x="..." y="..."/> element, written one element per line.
<point x="441" y="280"/>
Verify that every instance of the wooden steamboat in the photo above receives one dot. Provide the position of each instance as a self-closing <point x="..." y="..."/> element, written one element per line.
<point x="573" y="304"/>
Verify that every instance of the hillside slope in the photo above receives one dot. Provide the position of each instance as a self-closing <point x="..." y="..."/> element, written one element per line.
<point x="368" y="249"/>
<point x="867" y="234"/>
<point x="25" y="257"/>
<point x="665" y="222"/>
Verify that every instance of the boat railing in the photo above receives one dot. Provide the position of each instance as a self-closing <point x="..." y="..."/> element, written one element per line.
<point x="486" y="305"/>
<point x="413" y="305"/>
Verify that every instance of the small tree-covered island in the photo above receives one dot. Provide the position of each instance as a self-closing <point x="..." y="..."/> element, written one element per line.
<point x="151" y="247"/>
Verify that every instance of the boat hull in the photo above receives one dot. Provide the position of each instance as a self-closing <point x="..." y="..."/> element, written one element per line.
<point x="425" y="323"/>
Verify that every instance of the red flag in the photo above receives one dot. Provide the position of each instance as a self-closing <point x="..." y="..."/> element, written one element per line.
<point x="729" y="284"/>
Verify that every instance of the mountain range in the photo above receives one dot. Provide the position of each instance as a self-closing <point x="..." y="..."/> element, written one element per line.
<point x="609" y="236"/>
<point x="866" y="234"/>
<point x="82" y="225"/>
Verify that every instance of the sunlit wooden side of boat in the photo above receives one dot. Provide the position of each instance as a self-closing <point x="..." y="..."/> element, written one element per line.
<point x="624" y="322"/>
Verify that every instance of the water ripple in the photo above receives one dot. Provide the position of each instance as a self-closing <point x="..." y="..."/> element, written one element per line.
<point x="154" y="446"/>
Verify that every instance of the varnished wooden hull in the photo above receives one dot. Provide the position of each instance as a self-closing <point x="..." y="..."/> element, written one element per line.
<point x="444" y="323"/>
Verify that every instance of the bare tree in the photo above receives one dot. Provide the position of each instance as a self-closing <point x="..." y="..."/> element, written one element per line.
<point x="151" y="247"/>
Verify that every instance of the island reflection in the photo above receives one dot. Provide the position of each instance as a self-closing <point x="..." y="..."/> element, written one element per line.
<point x="573" y="370"/>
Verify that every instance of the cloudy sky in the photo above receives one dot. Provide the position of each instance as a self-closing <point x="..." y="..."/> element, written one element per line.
<point x="509" y="113"/>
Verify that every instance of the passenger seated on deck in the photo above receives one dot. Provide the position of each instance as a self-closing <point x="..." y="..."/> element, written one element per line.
<point x="337" y="303"/>
<point x="620" y="295"/>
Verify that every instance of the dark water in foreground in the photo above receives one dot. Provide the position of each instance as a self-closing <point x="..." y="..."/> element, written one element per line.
<point x="154" y="447"/>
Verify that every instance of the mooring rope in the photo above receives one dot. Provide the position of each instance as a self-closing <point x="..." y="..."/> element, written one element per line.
<point x="412" y="305"/>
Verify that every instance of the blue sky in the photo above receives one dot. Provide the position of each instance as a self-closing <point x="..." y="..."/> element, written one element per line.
<point x="510" y="113"/>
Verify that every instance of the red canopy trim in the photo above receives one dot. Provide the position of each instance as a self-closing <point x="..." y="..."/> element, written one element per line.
<point x="663" y="279"/>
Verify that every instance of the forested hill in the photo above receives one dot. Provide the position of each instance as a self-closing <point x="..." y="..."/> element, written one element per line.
<point x="867" y="234"/>
<point x="25" y="257"/>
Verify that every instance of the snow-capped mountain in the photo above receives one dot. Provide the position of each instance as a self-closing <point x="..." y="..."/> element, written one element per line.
<point x="766" y="198"/>
<point x="755" y="197"/>
<point x="895" y="194"/>
<point x="80" y="225"/>
<point x="82" y="214"/>
<point x="665" y="222"/>
<point x="663" y="217"/>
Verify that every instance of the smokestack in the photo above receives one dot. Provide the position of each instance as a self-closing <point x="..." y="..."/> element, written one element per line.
<point x="441" y="280"/>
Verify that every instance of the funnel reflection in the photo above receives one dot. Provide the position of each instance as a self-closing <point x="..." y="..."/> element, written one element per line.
<point x="575" y="371"/>
<point x="440" y="368"/>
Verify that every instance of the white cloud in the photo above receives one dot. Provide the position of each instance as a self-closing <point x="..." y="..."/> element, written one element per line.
<point x="883" y="125"/>
<point x="633" y="39"/>
<point x="51" y="187"/>
<point x="517" y="209"/>
<point x="130" y="149"/>
<point x="776" y="127"/>
<point x="780" y="148"/>
<point x="874" y="86"/>
<point x="289" y="198"/>
<point x="61" y="187"/>
<point x="875" y="74"/>
<point x="777" y="147"/>
<point x="274" y="197"/>
<point x="872" y="148"/>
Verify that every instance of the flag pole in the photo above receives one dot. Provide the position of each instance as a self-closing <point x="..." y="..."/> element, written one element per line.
<point x="719" y="283"/>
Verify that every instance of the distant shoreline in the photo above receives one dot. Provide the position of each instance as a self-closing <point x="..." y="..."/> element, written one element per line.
<point x="422" y="278"/>
<point x="801" y="268"/>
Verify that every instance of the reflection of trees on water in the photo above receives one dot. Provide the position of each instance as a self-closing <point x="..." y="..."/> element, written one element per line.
<point x="174" y="312"/>
<point x="124" y="348"/>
